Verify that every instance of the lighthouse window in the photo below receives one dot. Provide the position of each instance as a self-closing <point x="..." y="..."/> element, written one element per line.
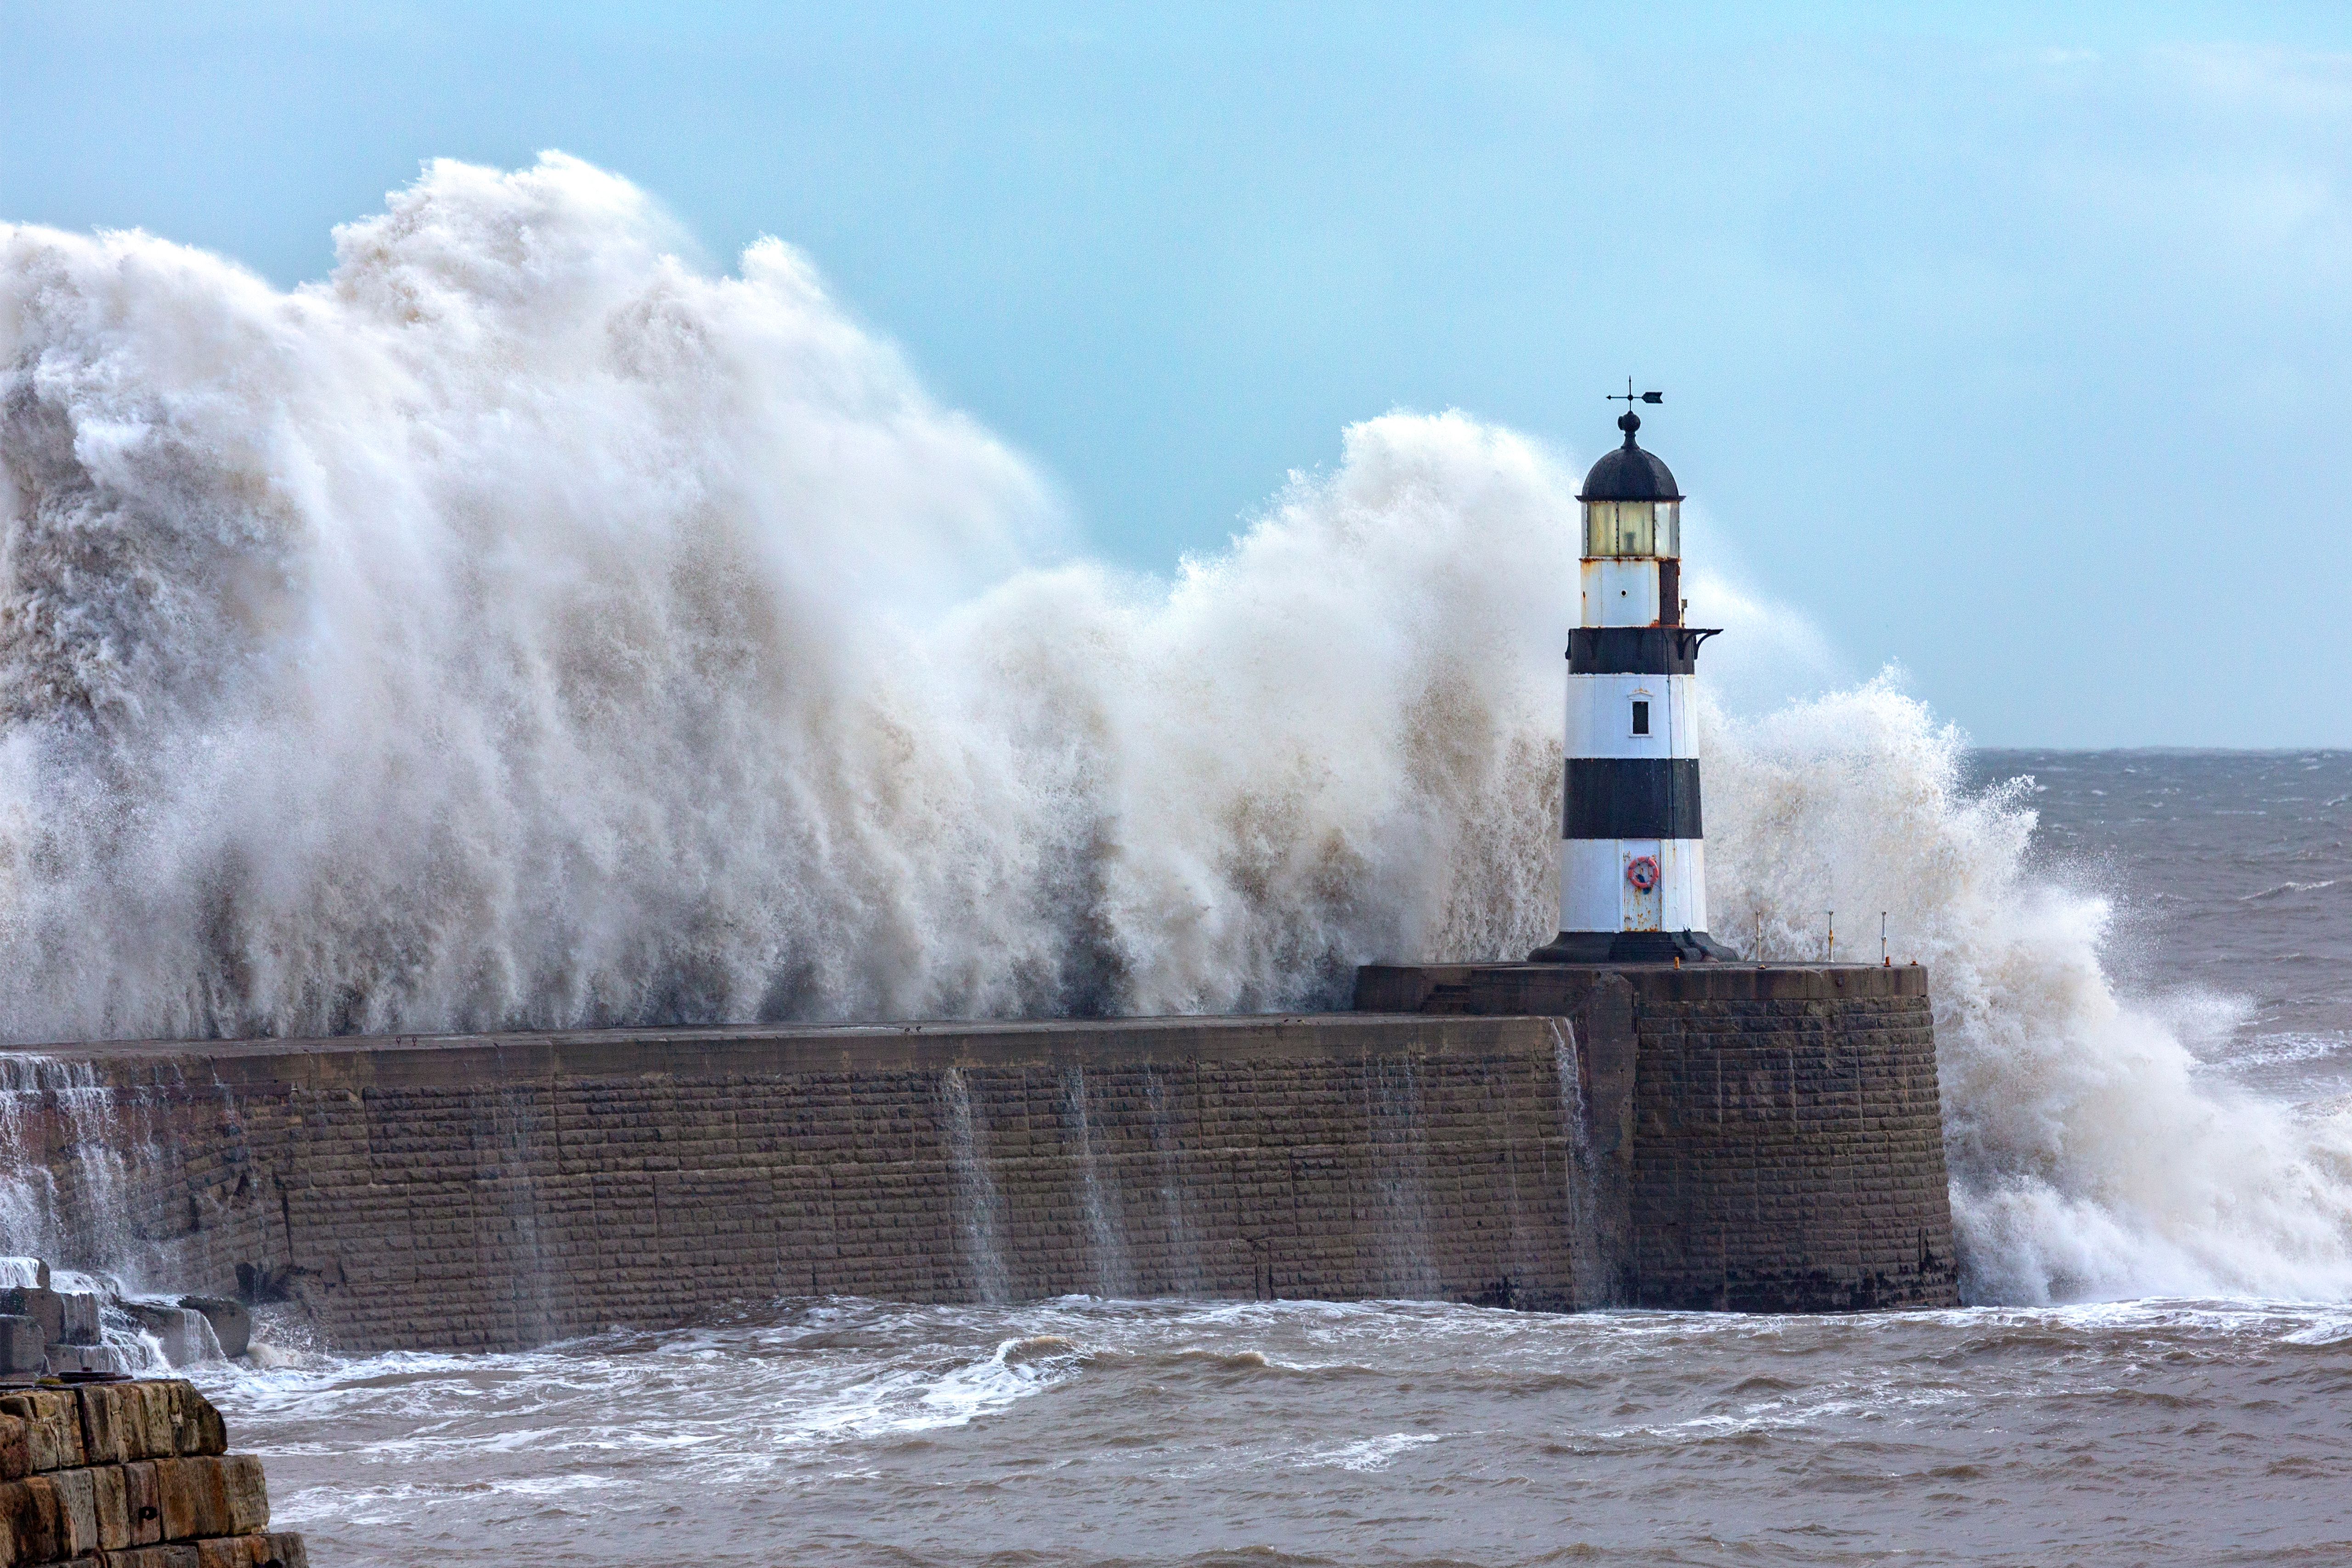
<point x="1641" y="716"/>
<point x="1633" y="528"/>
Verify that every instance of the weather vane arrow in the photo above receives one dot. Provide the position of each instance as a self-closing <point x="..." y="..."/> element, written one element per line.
<point x="1630" y="398"/>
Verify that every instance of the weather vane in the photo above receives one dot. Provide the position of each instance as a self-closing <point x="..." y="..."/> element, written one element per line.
<point x="1630" y="398"/>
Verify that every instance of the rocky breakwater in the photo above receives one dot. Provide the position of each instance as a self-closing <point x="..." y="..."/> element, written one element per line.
<point x="115" y="1472"/>
<point x="60" y="1321"/>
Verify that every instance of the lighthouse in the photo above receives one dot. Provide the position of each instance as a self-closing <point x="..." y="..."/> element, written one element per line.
<point x="1633" y="853"/>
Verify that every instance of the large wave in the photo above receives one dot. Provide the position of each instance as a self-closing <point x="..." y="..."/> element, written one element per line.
<point x="522" y="628"/>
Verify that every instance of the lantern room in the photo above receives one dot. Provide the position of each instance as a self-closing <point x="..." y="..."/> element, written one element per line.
<point x="1633" y="541"/>
<point x="1632" y="506"/>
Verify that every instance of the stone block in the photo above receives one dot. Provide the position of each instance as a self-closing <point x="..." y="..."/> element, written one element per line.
<point x="211" y="1494"/>
<point x="174" y="1555"/>
<point x="281" y="1551"/>
<point x="28" y="1521"/>
<point x="142" y="1501"/>
<point x="186" y="1336"/>
<point x="109" y="1435"/>
<point x="193" y="1500"/>
<point x="247" y="1491"/>
<point x="77" y="1493"/>
<point x="110" y="1498"/>
<point x="52" y="1419"/>
<point x="150" y="1406"/>
<point x="196" y="1425"/>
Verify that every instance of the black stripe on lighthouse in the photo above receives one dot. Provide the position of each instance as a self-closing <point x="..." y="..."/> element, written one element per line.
<point x="1635" y="650"/>
<point x="1631" y="797"/>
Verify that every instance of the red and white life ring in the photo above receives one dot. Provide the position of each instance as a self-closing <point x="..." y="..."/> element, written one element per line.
<point x="1641" y="870"/>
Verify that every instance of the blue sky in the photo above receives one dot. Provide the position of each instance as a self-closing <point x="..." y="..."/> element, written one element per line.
<point x="2008" y="342"/>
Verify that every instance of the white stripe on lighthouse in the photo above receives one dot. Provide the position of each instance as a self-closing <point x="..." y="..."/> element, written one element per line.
<point x="1621" y="591"/>
<point x="1595" y="894"/>
<point x="1607" y="713"/>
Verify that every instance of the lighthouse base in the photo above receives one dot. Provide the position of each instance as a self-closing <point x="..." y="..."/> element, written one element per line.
<point x="1632" y="947"/>
<point x="1756" y="1137"/>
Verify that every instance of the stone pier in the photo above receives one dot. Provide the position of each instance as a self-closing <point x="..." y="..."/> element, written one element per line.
<point x="1550" y="1136"/>
<point x="483" y="1191"/>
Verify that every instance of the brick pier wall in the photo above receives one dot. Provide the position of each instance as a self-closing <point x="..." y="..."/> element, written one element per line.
<point x="498" y="1191"/>
<point x="1776" y="1130"/>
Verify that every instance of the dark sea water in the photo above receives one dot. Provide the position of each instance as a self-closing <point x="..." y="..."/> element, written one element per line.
<point x="2233" y="872"/>
<point x="2163" y="1431"/>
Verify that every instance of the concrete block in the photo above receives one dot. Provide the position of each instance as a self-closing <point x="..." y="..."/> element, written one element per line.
<point x="24" y="1348"/>
<point x="45" y="1307"/>
<point x="231" y="1324"/>
<point x="82" y="1358"/>
<point x="80" y="1312"/>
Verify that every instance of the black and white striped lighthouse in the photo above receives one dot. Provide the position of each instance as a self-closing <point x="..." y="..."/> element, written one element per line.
<point x="1633" y="854"/>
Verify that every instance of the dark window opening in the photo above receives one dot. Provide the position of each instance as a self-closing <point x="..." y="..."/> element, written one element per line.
<point x="1640" y="717"/>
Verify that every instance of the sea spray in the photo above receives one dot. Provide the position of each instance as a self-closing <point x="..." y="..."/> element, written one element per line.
<point x="2086" y="1160"/>
<point x="519" y="628"/>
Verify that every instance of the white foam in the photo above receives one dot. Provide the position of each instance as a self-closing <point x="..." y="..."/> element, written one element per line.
<point x="2088" y="1160"/>
<point x="1367" y="1454"/>
<point x="2286" y="1047"/>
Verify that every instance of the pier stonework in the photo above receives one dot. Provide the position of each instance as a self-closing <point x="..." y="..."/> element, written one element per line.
<point x="505" y="1190"/>
<point x="1549" y="1136"/>
<point x="1782" y="1140"/>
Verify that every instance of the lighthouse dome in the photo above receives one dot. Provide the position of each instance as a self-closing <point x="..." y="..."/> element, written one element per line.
<point x="1629" y="473"/>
